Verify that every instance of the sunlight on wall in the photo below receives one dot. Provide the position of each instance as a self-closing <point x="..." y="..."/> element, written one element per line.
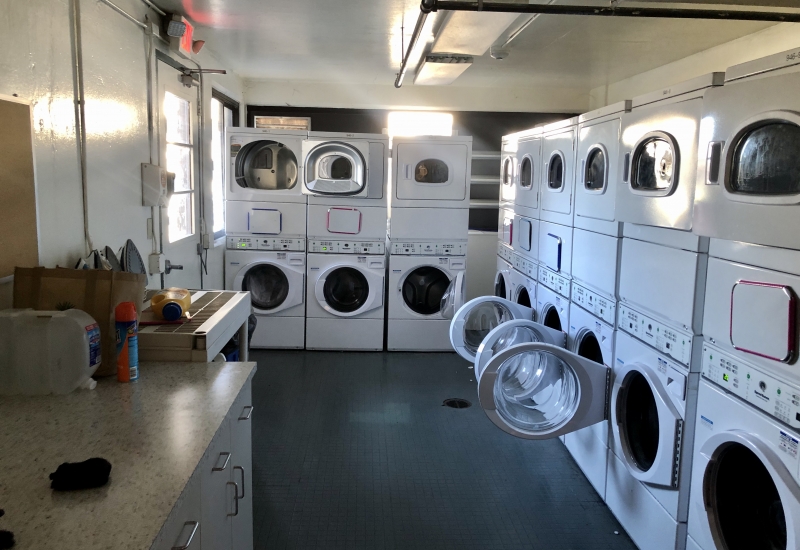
<point x="420" y="123"/>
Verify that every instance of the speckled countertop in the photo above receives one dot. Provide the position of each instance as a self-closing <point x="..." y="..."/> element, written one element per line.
<point x="153" y="432"/>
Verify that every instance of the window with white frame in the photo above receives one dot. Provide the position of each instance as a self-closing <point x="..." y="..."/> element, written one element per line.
<point x="224" y="114"/>
<point x="179" y="153"/>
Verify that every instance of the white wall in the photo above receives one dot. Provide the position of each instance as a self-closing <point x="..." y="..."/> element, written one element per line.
<point x="36" y="62"/>
<point x="772" y="40"/>
<point x="386" y="96"/>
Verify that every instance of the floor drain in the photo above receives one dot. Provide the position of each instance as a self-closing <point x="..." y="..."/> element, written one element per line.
<point x="456" y="403"/>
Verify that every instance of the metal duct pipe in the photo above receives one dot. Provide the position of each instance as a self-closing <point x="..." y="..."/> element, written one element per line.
<point x="425" y="7"/>
<point x="612" y="11"/>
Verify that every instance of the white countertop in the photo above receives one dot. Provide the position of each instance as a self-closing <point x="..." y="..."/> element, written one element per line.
<point x="153" y="431"/>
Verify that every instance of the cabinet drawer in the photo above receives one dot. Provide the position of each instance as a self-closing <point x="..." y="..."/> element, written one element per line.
<point x="183" y="527"/>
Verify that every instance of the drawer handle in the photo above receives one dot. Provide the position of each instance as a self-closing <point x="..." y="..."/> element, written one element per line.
<point x="235" y="497"/>
<point x="227" y="456"/>
<point x="242" y="470"/>
<point x="249" y="409"/>
<point x="194" y="525"/>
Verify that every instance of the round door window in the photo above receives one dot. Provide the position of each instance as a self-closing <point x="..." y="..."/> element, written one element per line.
<point x="526" y="173"/>
<point x="346" y="289"/>
<point x="654" y="164"/>
<point x="507" y="171"/>
<point x="766" y="160"/>
<point x="595" y="176"/>
<point x="500" y="285"/>
<point x="481" y="320"/>
<point x="551" y="318"/>
<point x="431" y="171"/>
<point x="266" y="165"/>
<point x="423" y="289"/>
<point x="335" y="167"/>
<point x="589" y="347"/>
<point x="511" y="336"/>
<point x="745" y="510"/>
<point x="555" y="172"/>
<point x="523" y="298"/>
<point x="536" y="391"/>
<point x="267" y="284"/>
<point x="639" y="420"/>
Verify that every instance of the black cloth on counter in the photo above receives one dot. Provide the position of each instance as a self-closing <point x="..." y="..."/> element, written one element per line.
<point x="71" y="476"/>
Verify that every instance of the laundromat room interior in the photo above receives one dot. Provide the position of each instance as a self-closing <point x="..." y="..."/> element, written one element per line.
<point x="400" y="274"/>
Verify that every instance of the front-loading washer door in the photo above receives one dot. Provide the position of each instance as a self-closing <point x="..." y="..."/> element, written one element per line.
<point x="423" y="288"/>
<point x="273" y="287"/>
<point x="266" y="165"/>
<point x="541" y="391"/>
<point x="551" y="316"/>
<point x="455" y="295"/>
<point x="511" y="333"/>
<point x="502" y="283"/>
<point x="749" y="496"/>
<point x="646" y="424"/>
<point x="477" y="318"/>
<point x="347" y="291"/>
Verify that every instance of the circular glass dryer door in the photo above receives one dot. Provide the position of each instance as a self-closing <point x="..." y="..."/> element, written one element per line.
<point x="346" y="291"/>
<point x="750" y="497"/>
<point x="541" y="391"/>
<point x="646" y="424"/>
<point x="335" y="169"/>
<point x="510" y="334"/>
<point x="477" y="318"/>
<point x="655" y="164"/>
<point x="455" y="296"/>
<point x="273" y="287"/>
<point x="423" y="288"/>
<point x="266" y="165"/>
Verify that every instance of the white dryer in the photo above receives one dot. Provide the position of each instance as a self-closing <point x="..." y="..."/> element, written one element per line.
<point x="748" y="179"/>
<point x="265" y="165"/>
<point x="276" y="282"/>
<point x="345" y="169"/>
<point x="346" y="301"/>
<point x="528" y="181"/>
<point x="592" y="339"/>
<point x="658" y="155"/>
<point x="508" y="170"/>
<point x="557" y="175"/>
<point x="417" y="285"/>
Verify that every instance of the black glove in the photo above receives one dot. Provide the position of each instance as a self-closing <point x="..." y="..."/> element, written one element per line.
<point x="81" y="475"/>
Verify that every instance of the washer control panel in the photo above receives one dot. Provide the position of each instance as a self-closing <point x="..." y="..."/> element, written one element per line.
<point x="740" y="378"/>
<point x="252" y="243"/>
<point x="526" y="266"/>
<point x="596" y="304"/>
<point x="505" y="252"/>
<point x="554" y="281"/>
<point x="444" y="248"/>
<point x="666" y="339"/>
<point x="347" y="247"/>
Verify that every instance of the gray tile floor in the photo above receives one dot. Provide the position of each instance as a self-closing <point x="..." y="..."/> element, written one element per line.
<point x="355" y="450"/>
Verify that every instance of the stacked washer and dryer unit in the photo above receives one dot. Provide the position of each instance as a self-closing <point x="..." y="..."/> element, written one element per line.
<point x="745" y="487"/>
<point x="429" y="210"/>
<point x="344" y="176"/>
<point x="265" y="217"/>
<point x="504" y="277"/>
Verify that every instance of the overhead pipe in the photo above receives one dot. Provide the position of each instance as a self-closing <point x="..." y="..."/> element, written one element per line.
<point x="610" y="11"/>
<point x="155" y="8"/>
<point x="425" y="7"/>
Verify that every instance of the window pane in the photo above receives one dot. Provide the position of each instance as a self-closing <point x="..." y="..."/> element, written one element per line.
<point x="176" y="113"/>
<point x="180" y="216"/>
<point x="218" y="167"/>
<point x="179" y="162"/>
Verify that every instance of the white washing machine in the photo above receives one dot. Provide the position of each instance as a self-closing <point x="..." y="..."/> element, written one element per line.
<point x="265" y="165"/>
<point x="558" y="172"/>
<point x="649" y="458"/>
<point x="342" y="169"/>
<point x="526" y="237"/>
<point x="658" y="155"/>
<point x="749" y="155"/>
<point x="523" y="283"/>
<point x="285" y="221"/>
<point x="598" y="169"/>
<point x="528" y="181"/>
<point x="417" y="285"/>
<point x="552" y="308"/>
<point x="346" y="301"/>
<point x="503" y="283"/>
<point x="592" y="338"/>
<point x="276" y="282"/>
<point x="477" y="318"/>
<point x="746" y="469"/>
<point x="508" y="170"/>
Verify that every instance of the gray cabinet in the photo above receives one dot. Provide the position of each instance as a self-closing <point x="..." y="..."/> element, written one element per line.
<point x="242" y="470"/>
<point x="182" y="529"/>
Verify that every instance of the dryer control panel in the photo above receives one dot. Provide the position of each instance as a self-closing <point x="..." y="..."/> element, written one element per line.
<point x="554" y="281"/>
<point x="526" y="266"/>
<point x="252" y="243"/>
<point x="346" y="247"/>
<point x="776" y="398"/>
<point x="444" y="248"/>
<point x="666" y="339"/>
<point x="505" y="252"/>
<point x="596" y="304"/>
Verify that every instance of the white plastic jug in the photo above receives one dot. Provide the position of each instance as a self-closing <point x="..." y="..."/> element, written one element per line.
<point x="43" y="352"/>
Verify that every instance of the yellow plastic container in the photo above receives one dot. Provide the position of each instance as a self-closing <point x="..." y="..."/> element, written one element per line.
<point x="171" y="304"/>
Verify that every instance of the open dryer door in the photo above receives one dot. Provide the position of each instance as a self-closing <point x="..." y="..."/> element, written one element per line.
<point x="473" y="322"/>
<point x="509" y="334"/>
<point x="454" y="297"/>
<point x="542" y="391"/>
